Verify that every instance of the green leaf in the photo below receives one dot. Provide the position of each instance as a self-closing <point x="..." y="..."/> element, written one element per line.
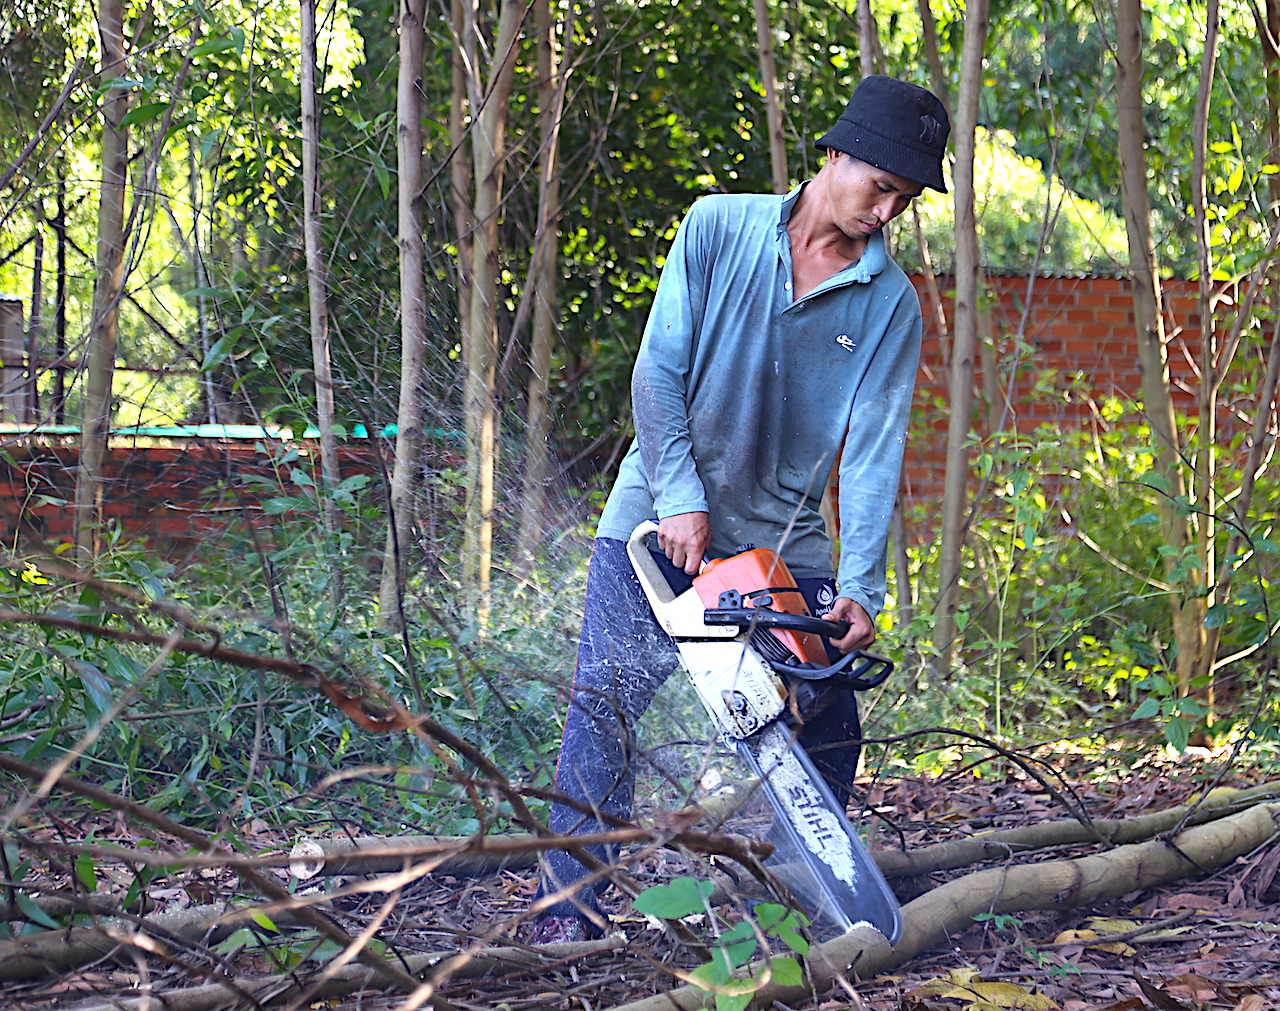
<point x="222" y="347"/>
<point x="732" y="1002"/>
<point x="86" y="873"/>
<point x="263" y="921"/>
<point x="786" y="971"/>
<point x="209" y="47"/>
<point x="1150" y="707"/>
<point x="1216" y="616"/>
<point x="34" y="913"/>
<point x="670" y="902"/>
<point x="143" y="113"/>
<point x="1177" y="732"/>
<point x="738" y="944"/>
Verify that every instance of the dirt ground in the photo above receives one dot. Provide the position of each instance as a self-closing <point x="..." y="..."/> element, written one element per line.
<point x="1220" y="946"/>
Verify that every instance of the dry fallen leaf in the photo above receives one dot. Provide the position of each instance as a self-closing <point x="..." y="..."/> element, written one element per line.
<point x="988" y="995"/>
<point x="1250" y="1002"/>
<point x="1158" y="997"/>
<point x="1132" y="1004"/>
<point x="1088" y="937"/>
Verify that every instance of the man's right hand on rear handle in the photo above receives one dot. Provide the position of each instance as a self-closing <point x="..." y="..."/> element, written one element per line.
<point x="684" y="538"/>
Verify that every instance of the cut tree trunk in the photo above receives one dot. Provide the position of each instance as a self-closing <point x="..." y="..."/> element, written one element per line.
<point x="413" y="316"/>
<point x="274" y="990"/>
<point x="933" y="918"/>
<point x="107" y="288"/>
<point x="965" y="322"/>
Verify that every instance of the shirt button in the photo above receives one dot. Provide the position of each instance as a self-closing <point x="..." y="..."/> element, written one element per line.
<point x="787" y="286"/>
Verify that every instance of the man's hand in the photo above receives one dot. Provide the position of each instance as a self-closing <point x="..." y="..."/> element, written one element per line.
<point x="684" y="537"/>
<point x="862" y="630"/>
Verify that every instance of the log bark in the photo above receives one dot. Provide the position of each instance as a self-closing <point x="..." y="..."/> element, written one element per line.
<point x="60" y="950"/>
<point x="1060" y="884"/>
<point x="1118" y="831"/>
<point x="267" y="990"/>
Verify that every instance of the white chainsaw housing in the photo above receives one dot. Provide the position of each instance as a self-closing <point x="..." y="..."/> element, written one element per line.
<point x="818" y="858"/>
<point x="740" y="692"/>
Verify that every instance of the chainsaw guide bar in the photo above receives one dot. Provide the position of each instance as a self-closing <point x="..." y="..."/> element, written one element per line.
<point x="818" y="858"/>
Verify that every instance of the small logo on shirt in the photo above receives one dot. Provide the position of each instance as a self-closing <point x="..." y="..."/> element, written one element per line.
<point x="846" y="342"/>
<point x="826" y="595"/>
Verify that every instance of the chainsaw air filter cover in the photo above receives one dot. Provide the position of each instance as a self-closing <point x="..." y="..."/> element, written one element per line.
<point x="760" y="578"/>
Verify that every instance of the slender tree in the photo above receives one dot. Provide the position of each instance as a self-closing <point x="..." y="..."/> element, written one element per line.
<point x="772" y="104"/>
<point x="1206" y="459"/>
<point x="552" y="81"/>
<point x="932" y="55"/>
<point x="317" y="285"/>
<point x="488" y="141"/>
<point x="1152" y="356"/>
<point x="108" y="279"/>
<point x="965" y="324"/>
<point x="413" y="310"/>
<point x="463" y="90"/>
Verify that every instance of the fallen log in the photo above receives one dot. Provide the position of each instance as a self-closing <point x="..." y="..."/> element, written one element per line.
<point x="386" y="855"/>
<point x="1054" y="885"/>
<point x="60" y="950"/>
<point x="1064" y="832"/>
<point x="350" y="978"/>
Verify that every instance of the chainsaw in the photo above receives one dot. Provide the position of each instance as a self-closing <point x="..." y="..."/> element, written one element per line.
<point x="757" y="660"/>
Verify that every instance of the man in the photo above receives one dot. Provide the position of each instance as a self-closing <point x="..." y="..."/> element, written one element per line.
<point x="780" y="329"/>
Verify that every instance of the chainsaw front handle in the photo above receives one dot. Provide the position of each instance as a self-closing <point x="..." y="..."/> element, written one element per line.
<point x="871" y="673"/>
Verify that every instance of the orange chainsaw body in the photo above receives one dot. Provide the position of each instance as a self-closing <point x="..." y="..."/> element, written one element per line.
<point x="762" y="579"/>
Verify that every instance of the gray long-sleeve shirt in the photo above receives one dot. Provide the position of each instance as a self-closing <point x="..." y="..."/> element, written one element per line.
<point x="742" y="395"/>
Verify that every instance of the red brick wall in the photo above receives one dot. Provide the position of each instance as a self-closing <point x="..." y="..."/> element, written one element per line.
<point x="174" y="496"/>
<point x="1079" y="343"/>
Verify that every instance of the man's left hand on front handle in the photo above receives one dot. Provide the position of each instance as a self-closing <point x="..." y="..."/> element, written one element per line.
<point x="862" y="630"/>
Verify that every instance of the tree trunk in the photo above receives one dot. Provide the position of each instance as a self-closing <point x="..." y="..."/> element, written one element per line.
<point x="965" y="323"/>
<point x="59" y="405"/>
<point x="413" y="314"/>
<point x="1269" y="33"/>
<point x="460" y="105"/>
<point x="1149" y="320"/>
<point x="108" y="281"/>
<point x="931" y="54"/>
<point x="31" y="414"/>
<point x="543" y="268"/>
<point x="1205" y="472"/>
<point x="488" y="139"/>
<point x="866" y="39"/>
<point x="317" y="295"/>
<point x="772" y="104"/>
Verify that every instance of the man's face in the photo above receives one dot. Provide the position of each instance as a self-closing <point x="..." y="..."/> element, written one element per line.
<point x="862" y="198"/>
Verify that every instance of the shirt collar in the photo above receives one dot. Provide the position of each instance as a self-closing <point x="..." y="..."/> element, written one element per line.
<point x="873" y="256"/>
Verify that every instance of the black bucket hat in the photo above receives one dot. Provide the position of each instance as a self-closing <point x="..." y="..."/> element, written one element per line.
<point x="895" y="126"/>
